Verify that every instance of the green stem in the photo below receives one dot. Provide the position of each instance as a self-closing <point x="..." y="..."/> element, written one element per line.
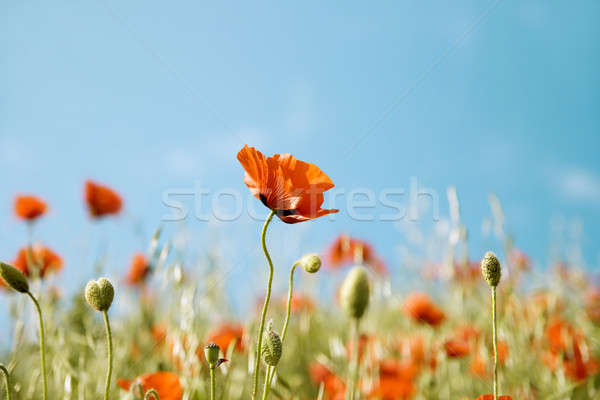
<point x="267" y="382"/>
<point x="152" y="393"/>
<point x="354" y="361"/>
<point x="287" y="315"/>
<point x="110" y="354"/>
<point x="42" y="346"/>
<point x="212" y="383"/>
<point x="495" y="339"/>
<point x="6" y="377"/>
<point x="265" y="306"/>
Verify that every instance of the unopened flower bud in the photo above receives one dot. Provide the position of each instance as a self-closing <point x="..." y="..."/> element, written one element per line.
<point x="490" y="269"/>
<point x="354" y="294"/>
<point x="99" y="294"/>
<point x="14" y="278"/>
<point x="211" y="352"/>
<point x="271" y="347"/>
<point x="310" y="262"/>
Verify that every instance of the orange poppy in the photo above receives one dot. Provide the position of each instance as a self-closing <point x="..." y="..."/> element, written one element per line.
<point x="334" y="387"/>
<point x="290" y="187"/>
<point x="576" y="367"/>
<point x="300" y="302"/>
<point x="101" y="200"/>
<point x="139" y="270"/>
<point x="41" y="257"/>
<point x="421" y="309"/>
<point x="346" y="250"/>
<point x="457" y="347"/>
<point x="166" y="384"/>
<point x="396" y="380"/>
<point x="29" y="208"/>
<point x="225" y="334"/>
<point x="478" y="366"/>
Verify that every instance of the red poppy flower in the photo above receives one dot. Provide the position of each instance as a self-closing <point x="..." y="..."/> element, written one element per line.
<point x="224" y="335"/>
<point x="491" y="397"/>
<point x="578" y="368"/>
<point x="101" y="200"/>
<point x="292" y="188"/>
<point x="29" y="208"/>
<point x="138" y="270"/>
<point x="396" y="380"/>
<point x="421" y="309"/>
<point x="457" y="347"/>
<point x="334" y="387"/>
<point x="41" y="257"/>
<point x="300" y="302"/>
<point x="166" y="384"/>
<point x="346" y="250"/>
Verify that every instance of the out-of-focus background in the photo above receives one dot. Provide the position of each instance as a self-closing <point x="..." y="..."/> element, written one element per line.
<point x="155" y="99"/>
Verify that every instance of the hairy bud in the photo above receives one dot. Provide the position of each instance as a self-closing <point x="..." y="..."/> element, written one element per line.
<point x="14" y="278"/>
<point x="99" y="294"/>
<point x="310" y="262"/>
<point x="354" y="294"/>
<point x="211" y="352"/>
<point x="490" y="269"/>
<point x="271" y="348"/>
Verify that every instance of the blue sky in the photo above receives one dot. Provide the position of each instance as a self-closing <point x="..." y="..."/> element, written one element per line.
<point x="147" y="97"/>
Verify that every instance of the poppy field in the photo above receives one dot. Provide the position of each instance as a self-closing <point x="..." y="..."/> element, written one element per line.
<point x="476" y="328"/>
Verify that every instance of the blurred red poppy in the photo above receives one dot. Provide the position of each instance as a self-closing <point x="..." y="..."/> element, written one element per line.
<point x="40" y="257"/>
<point x="334" y="387"/>
<point x="166" y="384"/>
<point x="345" y="250"/>
<point x="396" y="380"/>
<point x="139" y="270"/>
<point x="29" y="208"/>
<point x="290" y="187"/>
<point x="421" y="309"/>
<point x="101" y="200"/>
<point x="225" y="334"/>
<point x="457" y="347"/>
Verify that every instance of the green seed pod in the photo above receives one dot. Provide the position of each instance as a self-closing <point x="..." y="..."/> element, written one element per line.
<point x="99" y="294"/>
<point x="14" y="278"/>
<point x="354" y="294"/>
<point x="271" y="348"/>
<point x="490" y="269"/>
<point x="211" y="352"/>
<point x="310" y="262"/>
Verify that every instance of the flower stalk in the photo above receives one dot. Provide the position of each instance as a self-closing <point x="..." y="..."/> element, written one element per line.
<point x="42" y="346"/>
<point x="110" y="355"/>
<point x="6" y="380"/>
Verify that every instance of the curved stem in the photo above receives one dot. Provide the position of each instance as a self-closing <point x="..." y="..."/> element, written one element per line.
<point x="287" y="315"/>
<point x="110" y="355"/>
<point x="212" y="383"/>
<point x="42" y="346"/>
<point x="495" y="339"/>
<point x="152" y="393"/>
<point x="6" y="380"/>
<point x="265" y="306"/>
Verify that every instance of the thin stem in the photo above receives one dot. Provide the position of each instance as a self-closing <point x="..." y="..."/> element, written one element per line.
<point x="265" y="306"/>
<point x="110" y="354"/>
<point x="354" y="361"/>
<point x="495" y="339"/>
<point x="212" y="383"/>
<point x="267" y="382"/>
<point x="6" y="380"/>
<point x="287" y="316"/>
<point x="42" y="346"/>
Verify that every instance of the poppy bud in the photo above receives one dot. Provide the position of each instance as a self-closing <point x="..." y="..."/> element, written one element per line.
<point x="271" y="348"/>
<point x="99" y="294"/>
<point x="354" y="294"/>
<point x="211" y="352"/>
<point x="490" y="269"/>
<point x="14" y="278"/>
<point x="310" y="262"/>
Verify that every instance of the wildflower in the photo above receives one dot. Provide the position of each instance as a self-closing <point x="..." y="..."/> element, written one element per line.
<point x="457" y="347"/>
<point x="299" y="303"/>
<point x="139" y="270"/>
<point x="346" y="250"/>
<point x="293" y="189"/>
<point x="576" y="367"/>
<point x="334" y="386"/>
<point x="226" y="334"/>
<point x="166" y="384"/>
<point x="101" y="200"/>
<point x="396" y="380"/>
<point x="41" y="257"/>
<point x="29" y="208"/>
<point x="421" y="309"/>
